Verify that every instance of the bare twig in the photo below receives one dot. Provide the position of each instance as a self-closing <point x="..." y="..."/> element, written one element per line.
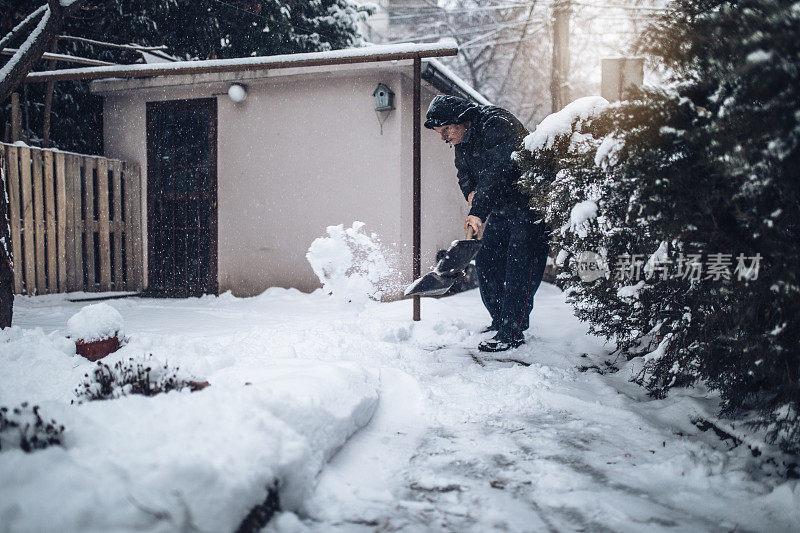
<point x="63" y="57"/>
<point x="516" y="50"/>
<point x="134" y="47"/>
<point x="156" y="514"/>
<point x="187" y="524"/>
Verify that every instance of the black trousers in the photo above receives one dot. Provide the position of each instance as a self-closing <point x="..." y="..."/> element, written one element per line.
<point x="510" y="266"/>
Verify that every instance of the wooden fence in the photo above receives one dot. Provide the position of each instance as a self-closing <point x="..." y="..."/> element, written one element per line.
<point x="76" y="221"/>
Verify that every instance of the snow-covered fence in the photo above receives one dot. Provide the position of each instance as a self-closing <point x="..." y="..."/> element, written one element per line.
<point x="76" y="221"/>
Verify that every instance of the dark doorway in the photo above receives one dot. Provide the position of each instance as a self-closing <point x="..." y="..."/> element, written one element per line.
<point x="182" y="197"/>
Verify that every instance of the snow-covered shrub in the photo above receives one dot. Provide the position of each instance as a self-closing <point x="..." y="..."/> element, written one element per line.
<point x="594" y="196"/>
<point x="354" y="266"/>
<point x="133" y="377"/>
<point x="95" y="322"/>
<point x="24" y="428"/>
<point x="693" y="175"/>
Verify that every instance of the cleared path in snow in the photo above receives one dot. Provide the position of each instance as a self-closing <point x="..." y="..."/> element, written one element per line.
<point x="455" y="446"/>
<point x="545" y="447"/>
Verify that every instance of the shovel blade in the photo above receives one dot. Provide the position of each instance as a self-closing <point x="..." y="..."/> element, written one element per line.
<point x="431" y="284"/>
<point x="458" y="257"/>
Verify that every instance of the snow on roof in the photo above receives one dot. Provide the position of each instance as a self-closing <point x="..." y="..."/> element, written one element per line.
<point x="461" y="84"/>
<point x="387" y="52"/>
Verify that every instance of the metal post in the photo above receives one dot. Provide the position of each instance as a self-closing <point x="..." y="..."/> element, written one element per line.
<point x="417" y="109"/>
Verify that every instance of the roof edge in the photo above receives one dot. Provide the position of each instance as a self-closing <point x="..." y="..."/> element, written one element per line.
<point x="367" y="54"/>
<point x="451" y="83"/>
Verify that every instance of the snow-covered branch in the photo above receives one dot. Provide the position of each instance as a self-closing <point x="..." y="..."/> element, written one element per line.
<point x="23" y="25"/>
<point x="136" y="47"/>
<point x="48" y="19"/>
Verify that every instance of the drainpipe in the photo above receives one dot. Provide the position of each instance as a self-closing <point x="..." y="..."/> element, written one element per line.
<point x="417" y="179"/>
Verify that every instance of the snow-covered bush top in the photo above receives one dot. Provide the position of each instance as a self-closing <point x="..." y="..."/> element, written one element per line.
<point x="95" y="322"/>
<point x="352" y="265"/>
<point x="23" y="428"/>
<point x="146" y="377"/>
<point x="563" y="122"/>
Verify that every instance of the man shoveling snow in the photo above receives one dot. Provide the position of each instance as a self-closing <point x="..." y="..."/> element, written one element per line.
<point x="512" y="259"/>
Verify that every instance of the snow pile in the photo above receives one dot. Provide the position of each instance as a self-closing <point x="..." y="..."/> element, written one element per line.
<point x="563" y="122"/>
<point x="95" y="322"/>
<point x="759" y="56"/>
<point x="352" y="266"/>
<point x="180" y="460"/>
<point x="660" y="350"/>
<point x="452" y="445"/>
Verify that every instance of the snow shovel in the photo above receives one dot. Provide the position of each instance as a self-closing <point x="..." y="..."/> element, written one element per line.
<point x="448" y="269"/>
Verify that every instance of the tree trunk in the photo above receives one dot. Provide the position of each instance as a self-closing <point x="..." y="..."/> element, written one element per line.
<point x="6" y="270"/>
<point x="48" y="99"/>
<point x="559" y="68"/>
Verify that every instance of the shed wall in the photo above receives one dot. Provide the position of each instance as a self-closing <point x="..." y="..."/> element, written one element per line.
<point x="296" y="156"/>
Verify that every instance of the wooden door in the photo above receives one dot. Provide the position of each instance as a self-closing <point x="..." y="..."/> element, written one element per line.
<point x="182" y="197"/>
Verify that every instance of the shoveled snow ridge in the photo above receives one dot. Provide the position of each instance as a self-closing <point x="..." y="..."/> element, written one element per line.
<point x="180" y="460"/>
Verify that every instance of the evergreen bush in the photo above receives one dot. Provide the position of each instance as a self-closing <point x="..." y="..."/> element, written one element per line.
<point x="690" y="195"/>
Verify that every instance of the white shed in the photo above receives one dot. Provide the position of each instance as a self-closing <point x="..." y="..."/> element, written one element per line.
<point x="235" y="190"/>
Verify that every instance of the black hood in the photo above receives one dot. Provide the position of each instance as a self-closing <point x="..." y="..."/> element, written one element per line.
<point x="449" y="110"/>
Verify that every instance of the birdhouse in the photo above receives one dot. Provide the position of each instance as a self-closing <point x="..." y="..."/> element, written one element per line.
<point x="384" y="98"/>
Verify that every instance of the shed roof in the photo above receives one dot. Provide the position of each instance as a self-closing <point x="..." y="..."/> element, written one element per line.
<point x="434" y="73"/>
<point x="344" y="56"/>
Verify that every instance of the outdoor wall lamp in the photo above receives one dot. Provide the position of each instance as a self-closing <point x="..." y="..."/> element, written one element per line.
<point x="237" y="92"/>
<point x="384" y="103"/>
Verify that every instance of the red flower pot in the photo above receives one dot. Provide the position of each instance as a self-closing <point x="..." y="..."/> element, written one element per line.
<point x="95" y="350"/>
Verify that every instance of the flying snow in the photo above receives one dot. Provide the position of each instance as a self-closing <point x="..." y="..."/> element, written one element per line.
<point x="353" y="266"/>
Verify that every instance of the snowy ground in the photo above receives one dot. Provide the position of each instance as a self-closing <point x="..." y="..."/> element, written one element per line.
<point x="452" y="445"/>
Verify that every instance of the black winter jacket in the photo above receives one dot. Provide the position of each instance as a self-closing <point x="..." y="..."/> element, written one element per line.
<point x="484" y="164"/>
